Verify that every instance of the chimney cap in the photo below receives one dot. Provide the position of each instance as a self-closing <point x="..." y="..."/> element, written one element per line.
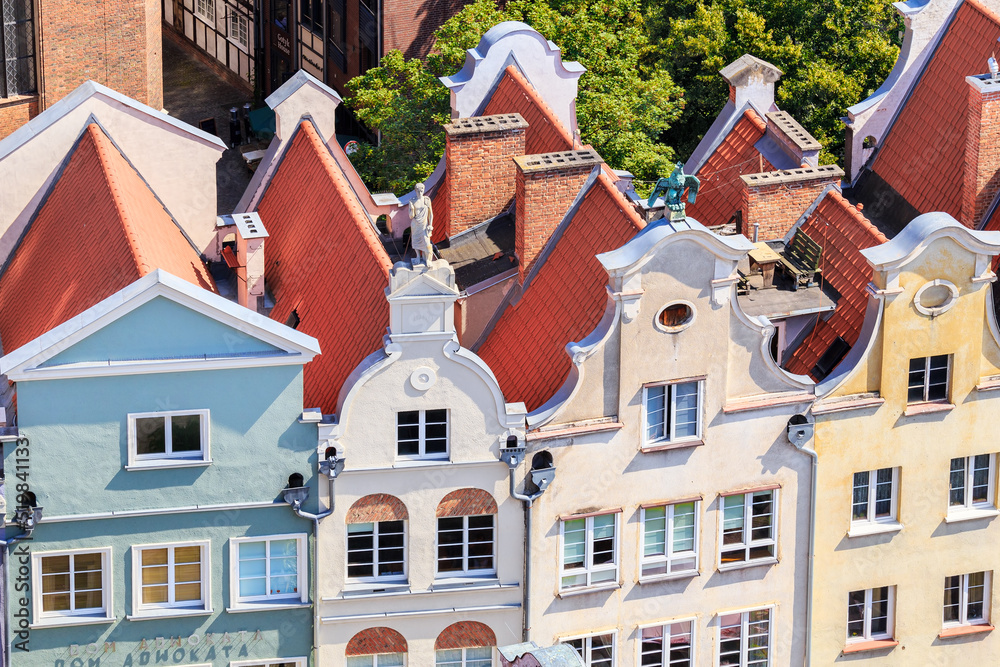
<point x="738" y="72"/>
<point x="798" y="134"/>
<point x="828" y="171"/>
<point x="248" y="225"/>
<point x="481" y="124"/>
<point x="559" y="160"/>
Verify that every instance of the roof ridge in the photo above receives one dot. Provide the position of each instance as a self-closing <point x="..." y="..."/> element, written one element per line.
<point x="537" y="99"/>
<point x="860" y="217"/>
<point x="984" y="10"/>
<point x="755" y="118"/>
<point x="109" y="172"/>
<point x="617" y="195"/>
<point x="340" y="183"/>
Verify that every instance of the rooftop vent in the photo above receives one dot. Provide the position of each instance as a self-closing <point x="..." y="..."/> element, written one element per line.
<point x="480" y="124"/>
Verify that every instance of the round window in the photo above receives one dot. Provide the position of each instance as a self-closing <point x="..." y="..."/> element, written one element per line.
<point x="675" y="316"/>
<point x="935" y="297"/>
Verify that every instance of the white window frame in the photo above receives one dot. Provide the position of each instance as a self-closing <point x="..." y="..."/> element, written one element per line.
<point x="83" y="617"/>
<point x="871" y="519"/>
<point x="465" y="657"/>
<point x="376" y="578"/>
<point x="669" y="557"/>
<point x="298" y="662"/>
<point x="375" y="658"/>
<point x="206" y="11"/>
<point x="963" y="602"/>
<point x="890" y="621"/>
<point x="744" y="627"/>
<point x="268" y="601"/>
<point x="670" y="439"/>
<point x="665" y="645"/>
<point x="465" y="572"/>
<point x="969" y="474"/>
<point x="748" y="543"/>
<point x="168" y="459"/>
<point x="588" y="645"/>
<point x="927" y="377"/>
<point x="240" y="19"/>
<point x="140" y="610"/>
<point x="421" y="455"/>
<point x="589" y="568"/>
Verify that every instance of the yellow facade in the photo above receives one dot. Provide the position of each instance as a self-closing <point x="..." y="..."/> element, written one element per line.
<point x="865" y="421"/>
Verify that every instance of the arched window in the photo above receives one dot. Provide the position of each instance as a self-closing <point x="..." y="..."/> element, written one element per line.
<point x="466" y="534"/>
<point x="465" y="644"/>
<point x="376" y="539"/>
<point x="376" y="647"/>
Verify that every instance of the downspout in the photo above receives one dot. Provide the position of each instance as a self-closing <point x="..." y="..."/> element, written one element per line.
<point x="799" y="434"/>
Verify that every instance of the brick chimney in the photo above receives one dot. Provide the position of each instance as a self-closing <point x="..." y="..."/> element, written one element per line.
<point x="546" y="186"/>
<point x="751" y="80"/>
<point x="775" y="200"/>
<point x="793" y="139"/>
<point x="982" y="149"/>
<point x="480" y="170"/>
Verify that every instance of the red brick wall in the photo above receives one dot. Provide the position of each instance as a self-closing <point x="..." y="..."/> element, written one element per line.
<point x="465" y="634"/>
<point x="981" y="180"/>
<point x="377" y="507"/>
<point x="113" y="42"/>
<point x="376" y="640"/>
<point x="777" y="207"/>
<point x="16" y="112"/>
<point x="467" y="502"/>
<point x="542" y="200"/>
<point x="480" y="175"/>
<point x="409" y="25"/>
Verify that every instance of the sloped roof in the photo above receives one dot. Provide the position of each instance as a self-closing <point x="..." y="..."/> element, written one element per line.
<point x="843" y="232"/>
<point x="564" y="300"/>
<point x="928" y="136"/>
<point x="324" y="261"/>
<point x="719" y="196"/>
<point x="99" y="229"/>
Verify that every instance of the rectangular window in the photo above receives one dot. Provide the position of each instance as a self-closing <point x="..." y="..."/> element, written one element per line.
<point x="589" y="551"/>
<point x="239" y="29"/>
<point x="178" y="437"/>
<point x="967" y="599"/>
<point x="205" y="10"/>
<point x="378" y="660"/>
<point x="74" y="586"/>
<point x="874" y="499"/>
<point x="312" y="15"/>
<point x="869" y="614"/>
<point x="466" y="545"/>
<point x="376" y="551"/>
<point x="672" y="412"/>
<point x="670" y="645"/>
<point x="422" y="434"/>
<point x="171" y="576"/>
<point x="749" y="527"/>
<point x="368" y="22"/>
<point x="17" y="48"/>
<point x="670" y="539"/>
<point x="269" y="569"/>
<point x="595" y="650"/>
<point x="477" y="656"/>
<point x="745" y="639"/>
<point x="970" y="482"/>
<point x="337" y="32"/>
<point x="928" y="379"/>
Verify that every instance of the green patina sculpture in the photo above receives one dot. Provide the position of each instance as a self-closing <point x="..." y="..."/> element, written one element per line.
<point x="672" y="189"/>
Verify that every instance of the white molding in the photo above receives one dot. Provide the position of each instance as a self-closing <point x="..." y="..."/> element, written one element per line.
<point x="284" y="602"/>
<point x="125" y="514"/>
<point x="55" y="619"/>
<point x="421" y="612"/>
<point x="146" y="612"/>
<point x="168" y="461"/>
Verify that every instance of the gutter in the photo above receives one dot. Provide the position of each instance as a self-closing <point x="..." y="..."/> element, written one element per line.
<point x="799" y="435"/>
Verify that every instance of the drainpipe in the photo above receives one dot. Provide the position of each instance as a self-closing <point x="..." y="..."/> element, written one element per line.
<point x="28" y="516"/>
<point x="542" y="478"/>
<point x="800" y="432"/>
<point x="331" y="467"/>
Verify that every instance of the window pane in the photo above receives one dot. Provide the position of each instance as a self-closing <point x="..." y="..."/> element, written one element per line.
<point x="185" y="434"/>
<point x="654" y="531"/>
<point x="856" y="614"/>
<point x="655" y="413"/>
<point x="981" y="478"/>
<point x="150" y="435"/>
<point x="880" y="611"/>
<point x="604" y="539"/>
<point x="762" y="510"/>
<point x="449" y="658"/>
<point x="859" y="501"/>
<point x="574" y="543"/>
<point x="952" y="599"/>
<point x="732" y="519"/>
<point x="976" y="595"/>
<point x="651" y="647"/>
<point x="956" y="479"/>
<point x="685" y="409"/>
<point x="883" y="493"/>
<point x="683" y="534"/>
<point x="915" y="390"/>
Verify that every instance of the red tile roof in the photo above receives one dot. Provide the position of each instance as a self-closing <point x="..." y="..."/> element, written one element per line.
<point x="514" y="94"/>
<point x="843" y="232"/>
<point x="99" y="229"/>
<point x="324" y="261"/>
<point x="564" y="301"/>
<point x="719" y="196"/>
<point x="928" y="137"/>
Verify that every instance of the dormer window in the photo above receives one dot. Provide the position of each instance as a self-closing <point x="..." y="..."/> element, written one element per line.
<point x="928" y="379"/>
<point x="422" y="434"/>
<point x="158" y="439"/>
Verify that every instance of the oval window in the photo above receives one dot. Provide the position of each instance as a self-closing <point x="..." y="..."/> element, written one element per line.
<point x="935" y="297"/>
<point x="675" y="316"/>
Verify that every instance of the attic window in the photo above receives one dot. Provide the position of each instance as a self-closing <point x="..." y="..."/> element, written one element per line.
<point x="293" y="320"/>
<point x="675" y="317"/>
<point x="833" y="356"/>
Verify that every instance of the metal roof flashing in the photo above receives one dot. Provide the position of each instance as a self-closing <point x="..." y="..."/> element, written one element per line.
<point x="920" y="232"/>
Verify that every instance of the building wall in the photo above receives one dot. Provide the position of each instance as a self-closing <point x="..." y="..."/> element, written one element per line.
<point x="16" y="112"/>
<point x="213" y="38"/>
<point x="917" y="557"/>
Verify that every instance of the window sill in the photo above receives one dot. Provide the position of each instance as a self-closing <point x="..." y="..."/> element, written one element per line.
<point x="375" y="588"/>
<point x="167" y="464"/>
<point x="416" y="462"/>
<point x="66" y="621"/>
<point x="927" y="407"/>
<point x="204" y="19"/>
<point x="667" y="446"/>
<point x="451" y="583"/>
<point x="874" y="528"/>
<point x="275" y="606"/>
<point x="242" y="47"/>
<point x="962" y="630"/>
<point x="572" y="592"/>
<point x="656" y="578"/>
<point x="749" y="563"/>
<point x="873" y="645"/>
<point x="161" y="614"/>
<point x="971" y="515"/>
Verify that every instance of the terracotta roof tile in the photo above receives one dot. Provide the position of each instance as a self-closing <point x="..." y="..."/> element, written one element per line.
<point x="514" y="94"/>
<point x="928" y="137"/>
<point x="843" y="232"/>
<point x="324" y="261"/>
<point x="564" y="301"/>
<point x="99" y="229"/>
<point x="719" y="196"/>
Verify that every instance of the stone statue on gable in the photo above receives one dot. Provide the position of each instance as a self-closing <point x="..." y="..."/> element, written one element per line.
<point x="422" y="226"/>
<point x="672" y="189"/>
